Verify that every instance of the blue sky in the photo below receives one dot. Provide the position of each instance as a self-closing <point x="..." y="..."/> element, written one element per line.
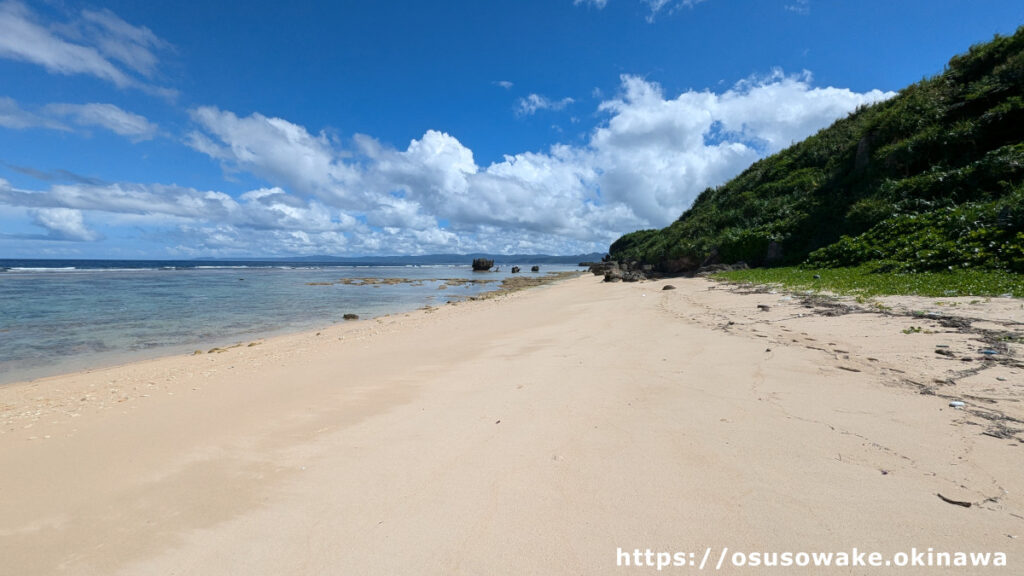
<point x="173" y="130"/>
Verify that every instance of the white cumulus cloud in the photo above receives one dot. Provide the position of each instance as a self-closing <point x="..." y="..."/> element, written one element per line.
<point x="63" y="224"/>
<point x="641" y="167"/>
<point x="274" y="149"/>
<point x="657" y="154"/>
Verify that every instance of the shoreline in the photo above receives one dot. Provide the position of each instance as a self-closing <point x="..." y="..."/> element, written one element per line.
<point x="531" y="433"/>
<point x="120" y="358"/>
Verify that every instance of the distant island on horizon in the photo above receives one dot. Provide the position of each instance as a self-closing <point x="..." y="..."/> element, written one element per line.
<point x="395" y="260"/>
<point x="424" y="259"/>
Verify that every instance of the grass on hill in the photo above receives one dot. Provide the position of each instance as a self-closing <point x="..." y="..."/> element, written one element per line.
<point x="866" y="281"/>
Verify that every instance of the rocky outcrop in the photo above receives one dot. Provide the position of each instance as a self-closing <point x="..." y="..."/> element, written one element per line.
<point x="535" y="269"/>
<point x="482" y="264"/>
<point x="515" y="269"/>
<point x="615" y="271"/>
<point x="716" y="268"/>
<point x="679" y="265"/>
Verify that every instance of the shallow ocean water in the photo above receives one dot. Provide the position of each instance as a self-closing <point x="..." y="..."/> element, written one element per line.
<point x="63" y="316"/>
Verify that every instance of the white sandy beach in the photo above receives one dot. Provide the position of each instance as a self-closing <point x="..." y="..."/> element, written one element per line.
<point x="534" y="433"/>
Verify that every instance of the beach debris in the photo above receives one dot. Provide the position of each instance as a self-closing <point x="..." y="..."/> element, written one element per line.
<point x="1000" y="433"/>
<point x="350" y="317"/>
<point x="954" y="502"/>
<point x="498" y="422"/>
<point x="848" y="369"/>
<point x="944" y="352"/>
<point x="515" y="269"/>
<point x="989" y="352"/>
<point x="764" y="307"/>
<point x="535" y="269"/>
<point x="482" y="264"/>
<point x="668" y="287"/>
<point x="957" y="404"/>
<point x="1000" y="378"/>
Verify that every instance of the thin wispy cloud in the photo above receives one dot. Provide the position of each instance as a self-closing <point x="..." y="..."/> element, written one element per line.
<point x="534" y="102"/>
<point x="658" y="7"/>
<point x="93" y="43"/>
<point x="66" y="117"/>
<point x="133" y="46"/>
<point x="13" y="116"/>
<point x="55" y="175"/>
<point x="655" y="7"/>
<point x="107" y="116"/>
<point x="503" y="83"/>
<point x="802" y="7"/>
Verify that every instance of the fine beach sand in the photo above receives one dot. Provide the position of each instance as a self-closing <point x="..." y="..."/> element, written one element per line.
<point x="533" y="433"/>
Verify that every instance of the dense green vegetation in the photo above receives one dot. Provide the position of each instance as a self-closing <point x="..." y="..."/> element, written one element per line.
<point x="865" y="281"/>
<point x="932" y="179"/>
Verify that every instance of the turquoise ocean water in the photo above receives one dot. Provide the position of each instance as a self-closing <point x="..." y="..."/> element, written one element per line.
<point x="60" y="316"/>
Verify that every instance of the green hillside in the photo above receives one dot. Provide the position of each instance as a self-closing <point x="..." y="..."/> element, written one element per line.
<point x="930" y="180"/>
